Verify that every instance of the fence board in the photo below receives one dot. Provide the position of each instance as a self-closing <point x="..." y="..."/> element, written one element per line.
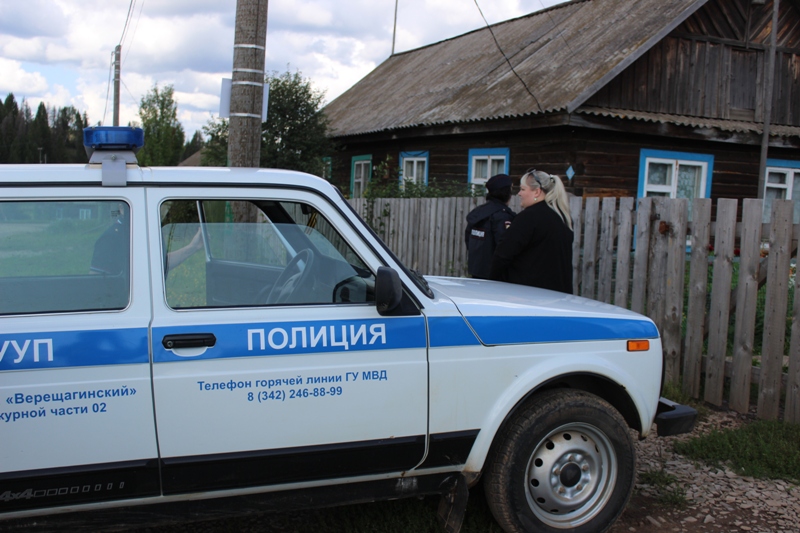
<point x="576" y="210"/>
<point x="624" y="241"/>
<point x="746" y="303"/>
<point x="720" y="300"/>
<point x="792" y="413"/>
<point x="657" y="273"/>
<point x="673" y="300"/>
<point x="605" y="275"/>
<point x="641" y="255"/>
<point x="769" y="387"/>
<point x="591" y="215"/>
<point x="698" y="290"/>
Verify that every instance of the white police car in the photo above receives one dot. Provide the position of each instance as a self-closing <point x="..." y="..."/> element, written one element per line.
<point x="171" y="334"/>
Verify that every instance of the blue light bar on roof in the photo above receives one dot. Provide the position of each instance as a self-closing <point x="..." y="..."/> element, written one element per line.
<point x="113" y="138"/>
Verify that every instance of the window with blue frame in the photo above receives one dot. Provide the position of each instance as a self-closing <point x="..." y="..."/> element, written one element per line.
<point x="675" y="174"/>
<point x="782" y="183"/>
<point x="360" y="174"/>
<point x="487" y="162"/>
<point x="414" y="167"/>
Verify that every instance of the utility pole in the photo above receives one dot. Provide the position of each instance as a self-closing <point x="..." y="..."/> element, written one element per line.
<point x="773" y="40"/>
<point x="394" y="31"/>
<point x="247" y="85"/>
<point x="117" y="51"/>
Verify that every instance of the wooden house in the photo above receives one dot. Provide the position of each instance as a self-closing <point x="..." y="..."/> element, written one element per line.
<point x="619" y="97"/>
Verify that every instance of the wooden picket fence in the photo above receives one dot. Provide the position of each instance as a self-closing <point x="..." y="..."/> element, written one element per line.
<point x="706" y="284"/>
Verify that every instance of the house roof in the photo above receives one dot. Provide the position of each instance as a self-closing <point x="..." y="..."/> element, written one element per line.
<point x="563" y="55"/>
<point x="736" y="126"/>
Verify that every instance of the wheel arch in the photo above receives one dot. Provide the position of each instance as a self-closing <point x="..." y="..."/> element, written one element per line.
<point x="601" y="386"/>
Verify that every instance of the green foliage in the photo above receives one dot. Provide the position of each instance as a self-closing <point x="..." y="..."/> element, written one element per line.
<point x="163" y="133"/>
<point x="668" y="492"/>
<point x="295" y="135"/>
<point x="193" y="146"/>
<point x="763" y="449"/>
<point x="57" y="131"/>
<point x="216" y="145"/>
<point x="386" y="183"/>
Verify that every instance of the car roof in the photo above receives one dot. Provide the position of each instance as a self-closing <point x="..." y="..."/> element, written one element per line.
<point x="90" y="175"/>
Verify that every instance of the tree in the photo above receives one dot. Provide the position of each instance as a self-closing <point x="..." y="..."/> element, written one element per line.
<point x="295" y="135"/>
<point x="216" y="145"/>
<point x="163" y="133"/>
<point x="193" y="146"/>
<point x="40" y="137"/>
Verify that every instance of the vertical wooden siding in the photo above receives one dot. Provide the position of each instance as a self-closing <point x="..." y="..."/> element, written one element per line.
<point x="637" y="258"/>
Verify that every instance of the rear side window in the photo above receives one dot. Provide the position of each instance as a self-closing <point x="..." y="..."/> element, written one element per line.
<point x="64" y="256"/>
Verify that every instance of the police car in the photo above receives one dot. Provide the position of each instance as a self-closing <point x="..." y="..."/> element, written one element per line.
<point x="175" y="334"/>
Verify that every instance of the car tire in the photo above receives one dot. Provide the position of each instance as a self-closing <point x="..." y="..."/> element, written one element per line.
<point x="564" y="461"/>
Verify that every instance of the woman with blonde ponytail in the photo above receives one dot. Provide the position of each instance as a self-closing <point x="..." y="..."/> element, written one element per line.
<point x="536" y="249"/>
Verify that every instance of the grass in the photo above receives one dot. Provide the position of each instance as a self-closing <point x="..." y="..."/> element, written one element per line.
<point x="762" y="449"/>
<point x="665" y="485"/>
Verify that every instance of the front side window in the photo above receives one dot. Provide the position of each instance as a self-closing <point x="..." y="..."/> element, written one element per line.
<point x="675" y="175"/>
<point x="241" y="253"/>
<point x="414" y="167"/>
<point x="782" y="183"/>
<point x="485" y="163"/>
<point x="64" y="256"/>
<point x="360" y="175"/>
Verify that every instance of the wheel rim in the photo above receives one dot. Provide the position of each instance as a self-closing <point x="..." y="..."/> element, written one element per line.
<point x="570" y="475"/>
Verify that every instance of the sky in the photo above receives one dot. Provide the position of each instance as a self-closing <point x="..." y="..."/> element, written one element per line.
<point x="60" y="51"/>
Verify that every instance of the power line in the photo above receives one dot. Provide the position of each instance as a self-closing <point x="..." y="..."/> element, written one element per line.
<point x="127" y="21"/>
<point x="555" y="25"/>
<point x="507" y="60"/>
<point x="135" y="27"/>
<point x="108" y="87"/>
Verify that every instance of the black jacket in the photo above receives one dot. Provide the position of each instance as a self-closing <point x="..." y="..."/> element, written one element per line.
<point x="536" y="250"/>
<point x="485" y="226"/>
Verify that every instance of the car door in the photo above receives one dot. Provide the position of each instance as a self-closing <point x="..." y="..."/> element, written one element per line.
<point x="77" y="413"/>
<point x="271" y="362"/>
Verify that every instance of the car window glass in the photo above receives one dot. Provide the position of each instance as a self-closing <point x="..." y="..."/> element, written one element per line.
<point x="257" y="253"/>
<point x="64" y="256"/>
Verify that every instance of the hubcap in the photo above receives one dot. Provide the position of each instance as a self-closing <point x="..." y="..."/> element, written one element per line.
<point x="571" y="475"/>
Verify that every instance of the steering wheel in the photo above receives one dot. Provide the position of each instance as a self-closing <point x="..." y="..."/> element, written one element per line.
<point x="294" y="276"/>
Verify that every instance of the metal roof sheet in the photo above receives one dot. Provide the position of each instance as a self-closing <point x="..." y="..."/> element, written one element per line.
<point x="563" y="54"/>
<point x="738" y="126"/>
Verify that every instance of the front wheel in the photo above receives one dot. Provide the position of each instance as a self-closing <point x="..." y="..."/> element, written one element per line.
<point x="565" y="461"/>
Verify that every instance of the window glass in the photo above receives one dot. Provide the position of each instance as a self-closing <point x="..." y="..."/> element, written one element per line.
<point x="782" y="184"/>
<point x="659" y="174"/>
<point x="689" y="177"/>
<point x="361" y="174"/>
<point x="64" y="256"/>
<point x="259" y="253"/>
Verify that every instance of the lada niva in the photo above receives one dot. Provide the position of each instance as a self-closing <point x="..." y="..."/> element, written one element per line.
<point x="174" y="334"/>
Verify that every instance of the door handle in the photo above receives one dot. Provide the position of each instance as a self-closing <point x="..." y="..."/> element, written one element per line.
<point x="189" y="340"/>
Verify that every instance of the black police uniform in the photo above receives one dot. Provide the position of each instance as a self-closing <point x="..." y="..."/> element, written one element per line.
<point x="485" y="227"/>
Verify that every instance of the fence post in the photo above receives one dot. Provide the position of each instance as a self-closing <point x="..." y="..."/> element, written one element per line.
<point x="792" y="412"/>
<point x="656" y="274"/>
<point x="719" y="315"/>
<point x="641" y="255"/>
<point x="605" y="276"/>
<point x="624" y="239"/>
<point x="590" y="247"/>
<point x="780" y="240"/>
<point x="576" y="210"/>
<point x="746" y="303"/>
<point x="698" y="290"/>
<point x="673" y="298"/>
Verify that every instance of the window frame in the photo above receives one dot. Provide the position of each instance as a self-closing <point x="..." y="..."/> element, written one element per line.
<point x="704" y="161"/>
<point x="488" y="154"/>
<point x="357" y="160"/>
<point x="415" y="157"/>
<point x="791" y="169"/>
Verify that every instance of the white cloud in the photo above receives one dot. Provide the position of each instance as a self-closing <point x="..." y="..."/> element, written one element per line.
<point x="17" y="80"/>
<point x="59" y="51"/>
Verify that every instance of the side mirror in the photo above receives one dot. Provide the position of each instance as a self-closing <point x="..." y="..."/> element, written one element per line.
<point x="388" y="291"/>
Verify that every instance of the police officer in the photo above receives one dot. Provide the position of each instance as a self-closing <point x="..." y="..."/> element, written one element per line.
<point x="486" y="225"/>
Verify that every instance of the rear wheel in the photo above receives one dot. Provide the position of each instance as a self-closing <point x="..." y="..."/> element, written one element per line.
<point x="565" y="461"/>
